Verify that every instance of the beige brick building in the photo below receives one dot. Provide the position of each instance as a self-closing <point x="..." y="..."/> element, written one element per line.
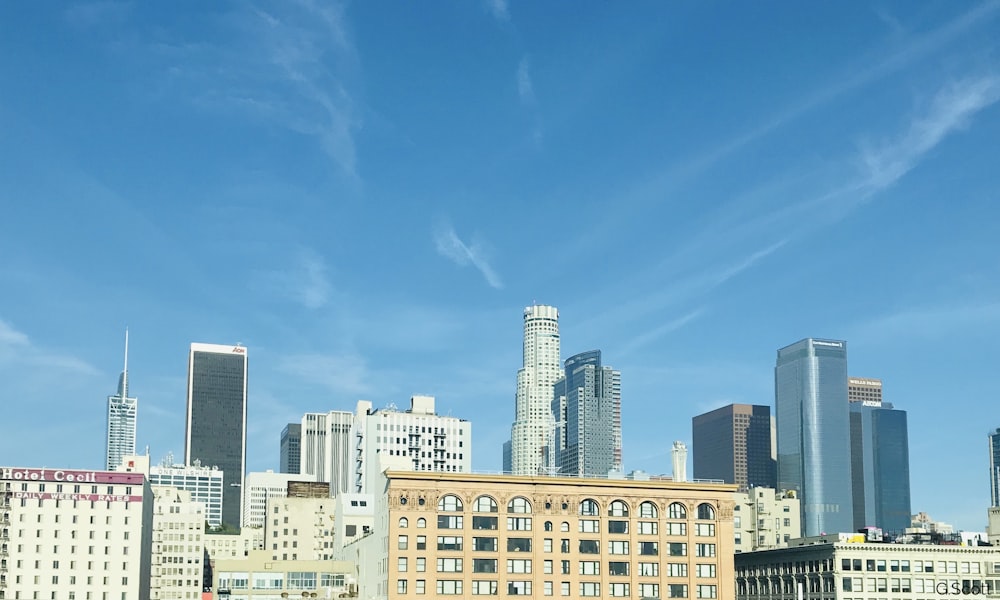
<point x="460" y="535"/>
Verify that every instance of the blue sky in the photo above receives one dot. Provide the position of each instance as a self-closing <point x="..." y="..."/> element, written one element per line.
<point x="367" y="195"/>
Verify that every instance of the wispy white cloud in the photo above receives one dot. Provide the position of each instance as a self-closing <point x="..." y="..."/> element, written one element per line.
<point x="18" y="351"/>
<point x="951" y="110"/>
<point x="100" y="13"/>
<point x="660" y="331"/>
<point x="525" y="88"/>
<point x="499" y="10"/>
<point x="10" y="336"/>
<point x="305" y="280"/>
<point x="930" y="322"/>
<point x="450" y="246"/>
<point x="344" y="374"/>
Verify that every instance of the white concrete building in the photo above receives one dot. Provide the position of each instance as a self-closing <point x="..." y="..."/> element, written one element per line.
<point x="299" y="528"/>
<point x="417" y="439"/>
<point x="327" y="449"/>
<point x="353" y="518"/>
<point x="258" y="488"/>
<point x="178" y="545"/>
<point x="80" y="535"/>
<point x="532" y="434"/>
<point x="844" y="567"/>
<point x="204" y="483"/>
<point x="764" y="518"/>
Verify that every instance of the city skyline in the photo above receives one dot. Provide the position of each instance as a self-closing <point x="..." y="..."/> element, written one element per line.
<point x="368" y="198"/>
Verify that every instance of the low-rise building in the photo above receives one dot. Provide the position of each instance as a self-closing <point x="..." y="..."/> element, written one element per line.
<point x="300" y="528"/>
<point x="258" y="488"/>
<point x="846" y="567"/>
<point x="764" y="518"/>
<point x="260" y="577"/>
<point x="460" y="534"/>
<point x="178" y="545"/>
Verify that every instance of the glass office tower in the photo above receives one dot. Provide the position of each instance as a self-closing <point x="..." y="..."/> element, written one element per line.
<point x="813" y="430"/>
<point x="995" y="468"/>
<point x="291" y="448"/>
<point x="733" y="443"/>
<point x="880" y="464"/>
<point x="217" y="419"/>
<point x="587" y="406"/>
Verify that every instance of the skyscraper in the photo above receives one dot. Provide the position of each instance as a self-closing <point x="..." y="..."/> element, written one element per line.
<point x="121" y="420"/>
<point x="734" y="444"/>
<point x="291" y="448"/>
<point x="532" y="432"/>
<point x="880" y="459"/>
<point x="813" y="428"/>
<point x="995" y="468"/>
<point x="328" y="450"/>
<point x="217" y="419"/>
<point x="587" y="407"/>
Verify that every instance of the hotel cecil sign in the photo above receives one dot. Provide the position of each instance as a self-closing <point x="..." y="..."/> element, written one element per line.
<point x="69" y="476"/>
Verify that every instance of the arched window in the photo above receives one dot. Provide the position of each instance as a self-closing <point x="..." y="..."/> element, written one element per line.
<point x="618" y="509"/>
<point x="450" y="503"/>
<point x="548" y="526"/>
<point x="647" y="510"/>
<point x="403" y="523"/>
<point x="484" y="504"/>
<point x="677" y="511"/>
<point x="421" y="523"/>
<point x="706" y="512"/>
<point x="519" y="505"/>
<point x="589" y="508"/>
<point x="564" y="526"/>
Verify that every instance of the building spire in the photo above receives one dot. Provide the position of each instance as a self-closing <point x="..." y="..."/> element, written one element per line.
<point x="123" y="380"/>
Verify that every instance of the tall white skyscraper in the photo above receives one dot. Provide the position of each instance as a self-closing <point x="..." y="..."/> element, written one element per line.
<point x="532" y="433"/>
<point x="327" y="449"/>
<point x="121" y="420"/>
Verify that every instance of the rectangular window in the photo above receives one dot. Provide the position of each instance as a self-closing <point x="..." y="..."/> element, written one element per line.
<point x="564" y="588"/>
<point x="706" y="591"/>
<point x="677" y="570"/>
<point x="401" y="564"/>
<point x="449" y="587"/>
<point x="421" y="542"/>
<point x="484" y="544"/>
<point x="677" y="549"/>
<point x="403" y="542"/>
<point x="706" y="571"/>
<point x="617" y="526"/>
<point x="547" y="588"/>
<point x="649" y="590"/>
<point x="421" y="564"/>
<point x="590" y="547"/>
<point x="618" y="568"/>
<point x="449" y="542"/>
<point x="484" y="588"/>
<point x="649" y="548"/>
<point x="518" y="544"/>
<point x="649" y="569"/>
<point x="619" y="590"/>
<point x="400" y="586"/>
<point x="590" y="567"/>
<point x="518" y="565"/>
<point x="647" y="528"/>
<point x="547" y="545"/>
<point x="449" y="565"/>
<point x="519" y="588"/>
<point x="484" y="522"/>
<point x="677" y="590"/>
<point x="618" y="547"/>
<point x="547" y="567"/>
<point x="704" y="529"/>
<point x="676" y="528"/>
<point x="484" y="565"/>
<point x="589" y="526"/>
<point x="705" y="550"/>
<point x="421" y="586"/>
<point x="518" y="523"/>
<point x="590" y="588"/>
<point x="449" y="522"/>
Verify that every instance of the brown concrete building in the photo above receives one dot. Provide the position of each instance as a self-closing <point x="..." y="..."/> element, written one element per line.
<point x="449" y="535"/>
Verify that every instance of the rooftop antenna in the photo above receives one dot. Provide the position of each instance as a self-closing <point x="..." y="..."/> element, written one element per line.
<point x="125" y="370"/>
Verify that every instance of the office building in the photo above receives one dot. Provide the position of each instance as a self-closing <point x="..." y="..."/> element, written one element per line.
<point x="291" y="448"/>
<point x="122" y="413"/>
<point x="460" y="534"/>
<point x="417" y="439"/>
<point x="217" y="419"/>
<point x="814" y="433"/>
<point x="328" y="449"/>
<point x="587" y="408"/>
<point x="532" y="434"/>
<point x="203" y="483"/>
<point x="259" y="577"/>
<point x="864" y="389"/>
<point x="994" y="439"/>
<point x="845" y="567"/>
<point x="66" y="533"/>
<point x="178" y="546"/>
<point x="258" y="489"/>
<point x="765" y="518"/>
<point x="735" y="443"/>
<point x="880" y="462"/>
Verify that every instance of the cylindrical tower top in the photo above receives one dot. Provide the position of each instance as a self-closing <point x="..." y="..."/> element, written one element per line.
<point x="540" y="311"/>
